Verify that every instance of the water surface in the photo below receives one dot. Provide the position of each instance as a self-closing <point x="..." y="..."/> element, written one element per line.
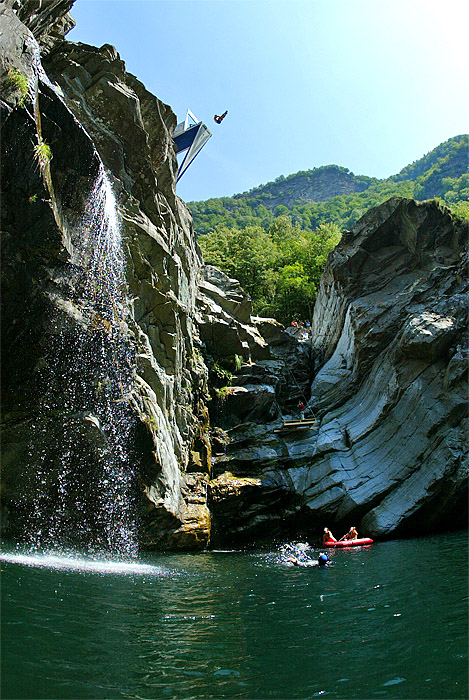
<point x="387" y="621"/>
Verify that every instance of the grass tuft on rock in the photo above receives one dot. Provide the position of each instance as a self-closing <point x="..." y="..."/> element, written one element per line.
<point x="42" y="154"/>
<point x="17" y="81"/>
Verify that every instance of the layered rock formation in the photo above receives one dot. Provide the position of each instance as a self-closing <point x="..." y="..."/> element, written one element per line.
<point x="174" y="365"/>
<point x="389" y="450"/>
<point x="271" y="370"/>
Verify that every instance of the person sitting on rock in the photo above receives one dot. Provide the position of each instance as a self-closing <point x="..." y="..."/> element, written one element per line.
<point x="328" y="536"/>
<point x="352" y="534"/>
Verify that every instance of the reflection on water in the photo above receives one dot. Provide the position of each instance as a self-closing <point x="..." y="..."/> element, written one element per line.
<point x="386" y="621"/>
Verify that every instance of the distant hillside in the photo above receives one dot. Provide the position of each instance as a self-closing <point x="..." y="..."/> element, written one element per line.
<point x="448" y="160"/>
<point x="452" y="154"/>
<point x="316" y="185"/>
<point x="333" y="194"/>
<point x="275" y="239"/>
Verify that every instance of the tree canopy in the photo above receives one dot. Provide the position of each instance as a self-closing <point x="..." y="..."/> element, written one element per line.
<point x="279" y="268"/>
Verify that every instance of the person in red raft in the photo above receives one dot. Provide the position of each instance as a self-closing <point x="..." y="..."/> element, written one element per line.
<point x="352" y="534"/>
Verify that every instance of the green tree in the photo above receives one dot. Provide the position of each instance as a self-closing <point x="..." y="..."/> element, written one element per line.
<point x="295" y="293"/>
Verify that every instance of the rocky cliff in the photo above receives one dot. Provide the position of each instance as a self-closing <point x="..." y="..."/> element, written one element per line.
<point x="95" y="113"/>
<point x="317" y="185"/>
<point x="388" y="452"/>
<point x="116" y="389"/>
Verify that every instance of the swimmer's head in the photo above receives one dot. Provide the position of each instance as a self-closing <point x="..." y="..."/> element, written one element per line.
<point x="322" y="559"/>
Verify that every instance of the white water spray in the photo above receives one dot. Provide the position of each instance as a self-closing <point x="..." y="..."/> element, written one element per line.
<point x="85" y="481"/>
<point x="77" y="563"/>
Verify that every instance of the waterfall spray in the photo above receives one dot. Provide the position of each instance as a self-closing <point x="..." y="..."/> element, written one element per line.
<point x="83" y="471"/>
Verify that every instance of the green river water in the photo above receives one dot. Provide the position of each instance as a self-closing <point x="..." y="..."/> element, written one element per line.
<point x="386" y="621"/>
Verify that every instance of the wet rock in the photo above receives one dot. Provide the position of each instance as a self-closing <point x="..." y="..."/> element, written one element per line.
<point x="242" y="507"/>
<point x="191" y="530"/>
<point x="97" y="107"/>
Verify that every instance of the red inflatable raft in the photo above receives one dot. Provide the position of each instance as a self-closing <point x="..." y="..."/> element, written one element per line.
<point x="349" y="543"/>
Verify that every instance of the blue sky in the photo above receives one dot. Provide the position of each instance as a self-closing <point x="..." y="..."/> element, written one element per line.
<point x="371" y="85"/>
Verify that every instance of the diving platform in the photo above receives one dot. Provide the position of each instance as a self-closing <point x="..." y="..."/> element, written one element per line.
<point x="290" y="425"/>
<point x="191" y="135"/>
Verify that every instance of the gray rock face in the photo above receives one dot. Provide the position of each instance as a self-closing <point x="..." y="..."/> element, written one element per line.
<point x="317" y="185"/>
<point x="48" y="20"/>
<point x="389" y="451"/>
<point x="224" y="317"/>
<point x="382" y="394"/>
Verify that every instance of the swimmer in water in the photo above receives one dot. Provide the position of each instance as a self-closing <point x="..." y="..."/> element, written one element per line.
<point x="322" y="560"/>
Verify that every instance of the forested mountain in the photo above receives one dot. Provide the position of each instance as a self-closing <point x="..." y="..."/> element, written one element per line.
<point x="265" y="237"/>
<point x="303" y="194"/>
<point x="449" y="158"/>
<point x="316" y="185"/>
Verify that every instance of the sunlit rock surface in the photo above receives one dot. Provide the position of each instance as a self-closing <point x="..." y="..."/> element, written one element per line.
<point x="389" y="450"/>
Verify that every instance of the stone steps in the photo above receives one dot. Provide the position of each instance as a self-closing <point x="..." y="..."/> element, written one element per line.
<point x="306" y="424"/>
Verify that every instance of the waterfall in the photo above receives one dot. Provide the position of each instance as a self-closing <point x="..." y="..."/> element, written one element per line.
<point x="84" y="478"/>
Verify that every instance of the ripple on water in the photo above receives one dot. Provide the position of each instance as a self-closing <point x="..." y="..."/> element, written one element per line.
<point x="394" y="681"/>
